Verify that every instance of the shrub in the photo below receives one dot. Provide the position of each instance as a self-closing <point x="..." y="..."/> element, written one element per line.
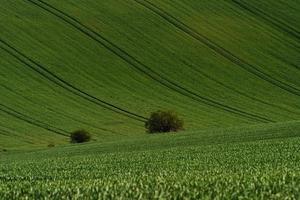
<point x="164" y="121"/>
<point x="80" y="136"/>
<point x="51" y="145"/>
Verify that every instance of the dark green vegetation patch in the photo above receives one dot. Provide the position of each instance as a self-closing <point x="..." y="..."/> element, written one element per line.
<point x="80" y="136"/>
<point x="164" y="122"/>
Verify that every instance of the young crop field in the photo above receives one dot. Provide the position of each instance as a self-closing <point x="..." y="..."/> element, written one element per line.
<point x="229" y="69"/>
<point x="255" y="162"/>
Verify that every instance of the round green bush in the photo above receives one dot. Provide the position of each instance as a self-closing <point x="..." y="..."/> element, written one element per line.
<point x="80" y="136"/>
<point x="164" y="121"/>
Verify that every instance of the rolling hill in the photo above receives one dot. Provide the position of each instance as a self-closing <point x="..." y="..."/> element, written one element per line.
<point x="104" y="66"/>
<point x="229" y="68"/>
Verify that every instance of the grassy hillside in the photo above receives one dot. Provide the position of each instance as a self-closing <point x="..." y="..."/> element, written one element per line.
<point x="229" y="68"/>
<point x="257" y="162"/>
<point x="105" y="65"/>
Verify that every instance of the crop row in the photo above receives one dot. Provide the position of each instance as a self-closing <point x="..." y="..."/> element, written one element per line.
<point x="261" y="169"/>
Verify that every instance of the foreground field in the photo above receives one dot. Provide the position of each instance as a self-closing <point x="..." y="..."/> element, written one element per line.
<point x="258" y="162"/>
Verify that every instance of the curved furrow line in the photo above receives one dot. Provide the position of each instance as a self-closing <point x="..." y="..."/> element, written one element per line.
<point x="4" y="132"/>
<point x="38" y="68"/>
<point x="285" y="60"/>
<point x="10" y="134"/>
<point x="278" y="24"/>
<point x="272" y="22"/>
<point x="58" y="113"/>
<point x="236" y="90"/>
<point x="218" y="49"/>
<point x="32" y="121"/>
<point x="142" y="68"/>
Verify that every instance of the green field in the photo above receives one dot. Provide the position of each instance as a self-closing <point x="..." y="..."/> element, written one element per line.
<point x="258" y="162"/>
<point x="229" y="68"/>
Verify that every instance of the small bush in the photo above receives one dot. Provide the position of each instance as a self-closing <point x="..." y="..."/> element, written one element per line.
<point x="164" y="121"/>
<point x="80" y="136"/>
<point x="51" y="145"/>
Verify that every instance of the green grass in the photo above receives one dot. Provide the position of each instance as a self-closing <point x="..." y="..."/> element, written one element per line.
<point x="229" y="68"/>
<point x="216" y="63"/>
<point x="250" y="162"/>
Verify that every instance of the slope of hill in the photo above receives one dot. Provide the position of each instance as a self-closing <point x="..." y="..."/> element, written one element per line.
<point x="105" y="65"/>
<point x="230" y="68"/>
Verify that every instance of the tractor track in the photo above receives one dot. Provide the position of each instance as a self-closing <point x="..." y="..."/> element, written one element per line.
<point x="4" y="132"/>
<point x="38" y="68"/>
<point x="236" y="90"/>
<point x="285" y="60"/>
<point x="217" y="48"/>
<point x="279" y="25"/>
<point x="32" y="121"/>
<point x="10" y="133"/>
<point x="271" y="23"/>
<point x="142" y="68"/>
<point x="58" y="113"/>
